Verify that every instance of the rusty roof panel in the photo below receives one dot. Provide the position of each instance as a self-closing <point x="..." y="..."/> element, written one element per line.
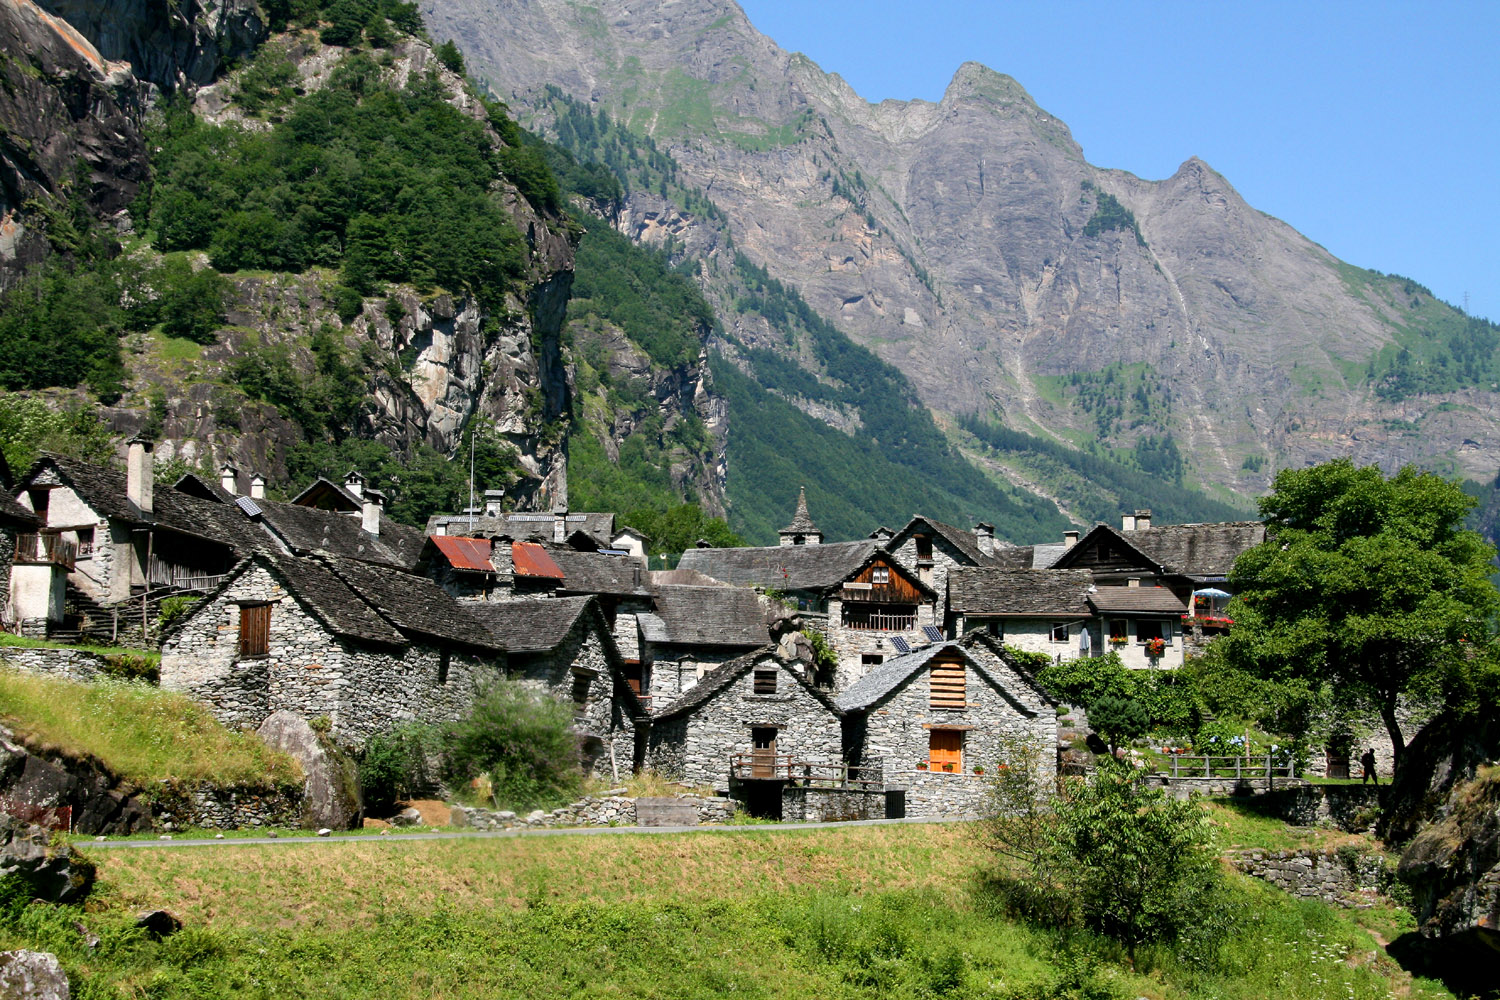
<point x="465" y="553"/>
<point x="532" y="560"/>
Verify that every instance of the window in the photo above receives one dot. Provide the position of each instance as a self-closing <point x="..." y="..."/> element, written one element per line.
<point x="444" y="661"/>
<point x="255" y="629"/>
<point x="995" y="627"/>
<point x="85" y="543"/>
<point x="924" y="547"/>
<point x="581" y="684"/>
<point x="1059" y="631"/>
<point x="1148" y="630"/>
<point x="1119" y="631"/>
<point x="765" y="681"/>
<point x="871" y="659"/>
<point x="880" y="574"/>
<point x="945" y="750"/>
<point x="947" y="686"/>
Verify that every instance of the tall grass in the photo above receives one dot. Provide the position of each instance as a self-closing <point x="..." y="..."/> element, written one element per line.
<point x="140" y="733"/>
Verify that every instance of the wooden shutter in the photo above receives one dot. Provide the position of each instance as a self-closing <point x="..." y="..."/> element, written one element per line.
<point x="765" y="682"/>
<point x="946" y="750"/>
<point x="947" y="680"/>
<point x="255" y="629"/>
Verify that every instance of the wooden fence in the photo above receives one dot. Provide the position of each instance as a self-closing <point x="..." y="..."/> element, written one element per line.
<point x="1185" y="766"/>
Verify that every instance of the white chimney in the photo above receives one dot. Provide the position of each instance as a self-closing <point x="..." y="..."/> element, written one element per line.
<point x="1127" y="522"/>
<point x="370" y="520"/>
<point x="1070" y="539"/>
<point x="229" y="479"/>
<point x="493" y="500"/>
<point x="560" y="523"/>
<point x="138" y="473"/>
<point x="1133" y="581"/>
<point x="257" y="487"/>
<point x="1142" y="520"/>
<point x="354" y="482"/>
<point x="984" y="537"/>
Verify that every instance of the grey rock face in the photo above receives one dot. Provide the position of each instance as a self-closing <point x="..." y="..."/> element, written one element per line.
<point x="32" y="975"/>
<point x="57" y="875"/>
<point x="331" y="795"/>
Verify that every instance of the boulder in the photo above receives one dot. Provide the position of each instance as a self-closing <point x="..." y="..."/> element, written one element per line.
<point x="331" y="793"/>
<point x="158" y="923"/>
<point x="407" y="817"/>
<point x="32" y="975"/>
<point x="57" y="875"/>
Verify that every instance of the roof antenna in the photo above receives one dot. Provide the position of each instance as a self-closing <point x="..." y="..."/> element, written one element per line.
<point x="471" y="480"/>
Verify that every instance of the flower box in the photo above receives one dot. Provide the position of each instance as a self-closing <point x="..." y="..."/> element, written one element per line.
<point x="947" y="767"/>
<point x="978" y="770"/>
<point x="922" y="767"/>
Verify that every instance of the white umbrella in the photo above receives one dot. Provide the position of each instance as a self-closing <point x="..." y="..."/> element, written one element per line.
<point x="1212" y="592"/>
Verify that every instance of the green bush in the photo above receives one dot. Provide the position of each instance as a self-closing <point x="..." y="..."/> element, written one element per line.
<point x="523" y="741"/>
<point x="173" y="608"/>
<point x="397" y="765"/>
<point x="1119" y="720"/>
<point x="191" y="303"/>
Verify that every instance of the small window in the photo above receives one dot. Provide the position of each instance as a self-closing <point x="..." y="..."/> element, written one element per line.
<point x="871" y="659"/>
<point x="85" y="543"/>
<point x="995" y="627"/>
<point x="924" y="547"/>
<point x="880" y="574"/>
<point x="945" y="750"/>
<point x="255" y="629"/>
<point x="445" y="660"/>
<point x="1145" y="631"/>
<point x="1119" y="630"/>
<point x="947" y="686"/>
<point x="1059" y="631"/>
<point x="581" y="684"/>
<point x="765" y="681"/>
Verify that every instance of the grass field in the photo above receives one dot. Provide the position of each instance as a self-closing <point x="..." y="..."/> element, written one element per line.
<point x="851" y="912"/>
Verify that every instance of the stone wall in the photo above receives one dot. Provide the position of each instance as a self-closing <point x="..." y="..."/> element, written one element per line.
<point x="697" y="747"/>
<point x="7" y="556"/>
<point x="935" y="795"/>
<point x="851" y="645"/>
<point x="944" y="558"/>
<point x="1342" y="877"/>
<point x="830" y="805"/>
<point x="608" y="810"/>
<point x="674" y="670"/>
<point x="362" y="689"/>
<point x="230" y="809"/>
<point x="73" y="664"/>
<point x="1349" y="807"/>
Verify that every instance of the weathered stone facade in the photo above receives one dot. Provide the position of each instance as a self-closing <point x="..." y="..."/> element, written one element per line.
<point x="801" y="804"/>
<point x="858" y="648"/>
<point x="106" y="563"/>
<point x="935" y="795"/>
<point x="696" y="740"/>
<point x="362" y="688"/>
<point x="672" y="671"/>
<point x="607" y="810"/>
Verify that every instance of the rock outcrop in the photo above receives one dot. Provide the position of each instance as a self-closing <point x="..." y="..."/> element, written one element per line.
<point x="32" y="975"/>
<point x="52" y="874"/>
<point x="331" y="795"/>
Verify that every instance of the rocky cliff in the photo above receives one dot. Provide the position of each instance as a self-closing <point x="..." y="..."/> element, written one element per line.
<point x="971" y="243"/>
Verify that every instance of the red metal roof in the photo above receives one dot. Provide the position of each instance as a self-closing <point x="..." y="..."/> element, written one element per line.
<point x="465" y="553"/>
<point x="532" y="560"/>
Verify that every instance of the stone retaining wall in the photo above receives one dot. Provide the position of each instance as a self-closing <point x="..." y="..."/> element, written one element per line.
<point x="230" y="809"/>
<point x="609" y="810"/>
<point x="830" y="805"/>
<point x="1351" y="808"/>
<point x="939" y="795"/>
<point x="1343" y="878"/>
<point x="73" y="664"/>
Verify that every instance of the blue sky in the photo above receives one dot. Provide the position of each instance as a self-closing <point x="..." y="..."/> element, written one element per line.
<point x="1373" y="128"/>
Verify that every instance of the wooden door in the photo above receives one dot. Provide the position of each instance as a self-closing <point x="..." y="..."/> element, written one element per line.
<point x="946" y="750"/>
<point x="763" y="752"/>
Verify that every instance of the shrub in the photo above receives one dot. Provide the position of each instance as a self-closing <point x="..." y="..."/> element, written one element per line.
<point x="1119" y="720"/>
<point x="523" y="740"/>
<point x="452" y="59"/>
<point x="396" y="765"/>
<point x="173" y="608"/>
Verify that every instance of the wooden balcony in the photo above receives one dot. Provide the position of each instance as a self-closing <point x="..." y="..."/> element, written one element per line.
<point x="41" y="550"/>
<point x="766" y="765"/>
<point x="878" y="621"/>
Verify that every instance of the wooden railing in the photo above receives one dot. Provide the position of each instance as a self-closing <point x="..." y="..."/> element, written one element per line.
<point x="34" y="549"/>
<point x="764" y="765"/>
<point x="167" y="574"/>
<point x="879" y="621"/>
<point x="1205" y="766"/>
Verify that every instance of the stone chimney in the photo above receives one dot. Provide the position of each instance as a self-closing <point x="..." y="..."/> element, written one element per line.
<point x="257" y="486"/>
<point x="703" y="543"/>
<point x="984" y="537"/>
<point x="1133" y="581"/>
<point x="560" y="523"/>
<point x="493" y="500"/>
<point x="1127" y="522"/>
<point x="370" y="512"/>
<point x="1142" y="520"/>
<point x="354" y="482"/>
<point x="138" y="473"/>
<point x="1070" y="539"/>
<point x="229" y="479"/>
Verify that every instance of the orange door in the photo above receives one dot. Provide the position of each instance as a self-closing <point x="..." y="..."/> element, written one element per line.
<point x="946" y="750"/>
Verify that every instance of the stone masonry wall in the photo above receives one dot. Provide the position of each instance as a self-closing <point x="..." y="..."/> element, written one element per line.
<point x="698" y="747"/>
<point x="675" y="670"/>
<point x="830" y="805"/>
<point x="1340" y="877"/>
<point x="607" y="735"/>
<point x="73" y="664"/>
<point x="851" y="644"/>
<point x="932" y="795"/>
<point x="944" y="558"/>
<point x="608" y="810"/>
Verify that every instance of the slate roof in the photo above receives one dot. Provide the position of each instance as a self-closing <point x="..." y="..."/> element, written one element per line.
<point x="309" y="529"/>
<point x="1014" y="557"/>
<point x="1023" y="592"/>
<point x="332" y="601"/>
<point x="709" y="616"/>
<point x="599" y="526"/>
<point x="414" y="604"/>
<point x="964" y="541"/>
<point x="200" y="486"/>
<point x="13" y="512"/>
<point x="535" y="626"/>
<point x="727" y="673"/>
<point x="1197" y="550"/>
<point x="596" y="573"/>
<point x="338" y="494"/>
<point x="870" y="689"/>
<point x="802" y="522"/>
<point x="1126" y="600"/>
<point x="783" y="567"/>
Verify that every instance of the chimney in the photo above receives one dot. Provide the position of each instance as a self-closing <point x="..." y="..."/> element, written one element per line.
<point x="257" y="486"/>
<point x="703" y="543"/>
<point x="1133" y="581"/>
<point x="560" y="523"/>
<point x="370" y="521"/>
<point x="354" y="482"/>
<point x="1142" y="520"/>
<point x="229" y="479"/>
<point x="138" y="472"/>
<point x="984" y="537"/>
<point x="1070" y="539"/>
<point x="1127" y="522"/>
<point x="492" y="502"/>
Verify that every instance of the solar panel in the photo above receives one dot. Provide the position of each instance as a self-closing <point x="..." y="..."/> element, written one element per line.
<point x="933" y="633"/>
<point x="249" y="506"/>
<point x="901" y="646"/>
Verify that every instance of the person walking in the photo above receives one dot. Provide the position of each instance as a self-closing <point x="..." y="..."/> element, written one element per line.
<point x="1367" y="762"/>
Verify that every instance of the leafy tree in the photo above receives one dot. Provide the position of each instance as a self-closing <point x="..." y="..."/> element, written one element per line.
<point x="1119" y="720"/>
<point x="522" y="740"/>
<point x="29" y="426"/>
<point x="191" y="303"/>
<point x="1369" y="584"/>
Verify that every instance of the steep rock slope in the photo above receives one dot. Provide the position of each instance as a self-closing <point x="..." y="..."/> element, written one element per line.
<point x="970" y="243"/>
